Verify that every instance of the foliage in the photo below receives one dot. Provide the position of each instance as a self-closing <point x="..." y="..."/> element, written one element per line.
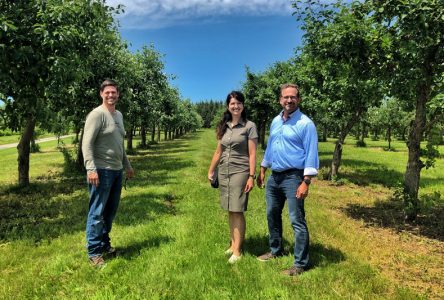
<point x="390" y="118"/>
<point x="412" y="66"/>
<point x="359" y="51"/>
<point x="53" y="57"/>
<point x="262" y="94"/>
<point x="208" y="111"/>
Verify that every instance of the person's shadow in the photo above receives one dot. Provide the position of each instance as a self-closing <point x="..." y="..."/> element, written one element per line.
<point x="320" y="255"/>
<point x="134" y="249"/>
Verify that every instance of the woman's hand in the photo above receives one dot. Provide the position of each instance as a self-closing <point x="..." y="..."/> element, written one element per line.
<point x="210" y="175"/>
<point x="250" y="184"/>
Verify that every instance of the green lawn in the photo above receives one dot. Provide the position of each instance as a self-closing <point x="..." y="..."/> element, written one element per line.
<point x="374" y="165"/>
<point x="171" y="233"/>
<point x="15" y="138"/>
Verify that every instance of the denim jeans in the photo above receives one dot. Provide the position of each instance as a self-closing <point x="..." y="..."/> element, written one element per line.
<point x="280" y="187"/>
<point x="103" y="202"/>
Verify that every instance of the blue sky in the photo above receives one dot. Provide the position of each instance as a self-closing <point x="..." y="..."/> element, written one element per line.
<point x="208" y="43"/>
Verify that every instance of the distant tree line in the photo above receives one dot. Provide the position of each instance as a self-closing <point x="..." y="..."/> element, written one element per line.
<point x="209" y="110"/>
<point x="368" y="68"/>
<point x="53" y="57"/>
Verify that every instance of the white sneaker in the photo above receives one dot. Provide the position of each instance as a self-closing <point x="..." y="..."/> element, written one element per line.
<point x="234" y="258"/>
<point x="228" y="252"/>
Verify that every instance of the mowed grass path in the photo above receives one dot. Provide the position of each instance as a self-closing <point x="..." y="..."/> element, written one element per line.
<point x="171" y="234"/>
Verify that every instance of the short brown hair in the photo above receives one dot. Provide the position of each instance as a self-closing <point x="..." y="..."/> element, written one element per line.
<point x="108" y="82"/>
<point x="290" y="85"/>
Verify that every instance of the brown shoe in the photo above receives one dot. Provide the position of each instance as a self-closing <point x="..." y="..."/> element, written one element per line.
<point x="97" y="261"/>
<point x="266" y="257"/>
<point x="294" y="271"/>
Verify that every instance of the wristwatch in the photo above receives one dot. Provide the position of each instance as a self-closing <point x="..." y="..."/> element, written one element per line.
<point x="307" y="181"/>
<point x="252" y="176"/>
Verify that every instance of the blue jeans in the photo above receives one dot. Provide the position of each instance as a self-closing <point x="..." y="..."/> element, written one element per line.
<point x="280" y="187"/>
<point x="103" y="203"/>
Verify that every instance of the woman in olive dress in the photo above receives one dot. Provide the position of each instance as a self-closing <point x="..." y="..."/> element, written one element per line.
<point x="235" y="161"/>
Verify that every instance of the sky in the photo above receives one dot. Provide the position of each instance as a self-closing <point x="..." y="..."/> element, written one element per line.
<point x="207" y="44"/>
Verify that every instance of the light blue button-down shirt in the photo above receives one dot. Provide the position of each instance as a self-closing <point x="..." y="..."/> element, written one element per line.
<point x="292" y="144"/>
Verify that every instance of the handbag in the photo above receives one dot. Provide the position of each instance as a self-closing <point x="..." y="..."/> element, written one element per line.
<point x="215" y="182"/>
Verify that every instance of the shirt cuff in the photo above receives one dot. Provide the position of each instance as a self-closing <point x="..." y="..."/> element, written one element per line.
<point x="310" y="172"/>
<point x="265" y="164"/>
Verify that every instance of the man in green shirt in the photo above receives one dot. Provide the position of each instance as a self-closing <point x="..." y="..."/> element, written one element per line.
<point x="104" y="157"/>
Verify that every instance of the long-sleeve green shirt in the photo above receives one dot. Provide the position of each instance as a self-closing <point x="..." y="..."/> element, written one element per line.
<point x="102" y="143"/>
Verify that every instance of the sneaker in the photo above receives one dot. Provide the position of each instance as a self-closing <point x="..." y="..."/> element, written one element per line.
<point x="294" y="271"/>
<point x="267" y="256"/>
<point x="110" y="251"/>
<point x="97" y="261"/>
<point x="228" y="252"/>
<point x="234" y="258"/>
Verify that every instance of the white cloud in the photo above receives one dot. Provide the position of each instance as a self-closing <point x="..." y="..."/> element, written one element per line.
<point x="160" y="13"/>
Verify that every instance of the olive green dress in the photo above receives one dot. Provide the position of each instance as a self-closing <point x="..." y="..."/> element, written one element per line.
<point x="234" y="166"/>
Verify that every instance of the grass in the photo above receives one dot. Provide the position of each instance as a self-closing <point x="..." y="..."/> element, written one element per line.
<point x="375" y="165"/>
<point x="171" y="234"/>
<point x="15" y="138"/>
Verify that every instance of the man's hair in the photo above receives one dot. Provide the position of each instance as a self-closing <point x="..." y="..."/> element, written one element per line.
<point x="108" y="82"/>
<point x="290" y="85"/>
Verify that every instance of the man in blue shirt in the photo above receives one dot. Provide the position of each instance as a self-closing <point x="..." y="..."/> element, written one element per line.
<point x="292" y="155"/>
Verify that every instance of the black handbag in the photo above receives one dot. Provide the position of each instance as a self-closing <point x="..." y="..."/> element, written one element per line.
<point x="215" y="181"/>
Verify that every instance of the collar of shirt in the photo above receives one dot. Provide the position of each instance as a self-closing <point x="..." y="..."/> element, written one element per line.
<point x="297" y="111"/>
<point x="241" y="122"/>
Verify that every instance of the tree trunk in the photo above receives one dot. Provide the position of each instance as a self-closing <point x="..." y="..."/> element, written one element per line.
<point x="129" y="139"/>
<point x="23" y="148"/>
<point x="158" y="133"/>
<point x="165" y="134"/>
<point x="153" y="132"/>
<point x="389" y="136"/>
<point x="79" y="159"/>
<point x="262" y="130"/>
<point x="363" y="133"/>
<point x="414" y="163"/>
<point x="337" y="154"/>
<point x="77" y="131"/>
<point x="324" y="133"/>
<point x="143" y="136"/>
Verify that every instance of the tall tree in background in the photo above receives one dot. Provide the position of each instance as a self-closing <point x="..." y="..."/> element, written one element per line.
<point x="41" y="43"/>
<point x="208" y="111"/>
<point x="388" y="117"/>
<point x="413" y="67"/>
<point x="262" y="92"/>
<point x="339" y="52"/>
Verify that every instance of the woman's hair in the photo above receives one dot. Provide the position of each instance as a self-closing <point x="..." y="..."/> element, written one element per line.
<point x="226" y="117"/>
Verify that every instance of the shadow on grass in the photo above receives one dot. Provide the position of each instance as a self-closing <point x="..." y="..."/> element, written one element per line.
<point x="363" y="173"/>
<point x="320" y="255"/>
<point x="144" y="207"/>
<point x="134" y="250"/>
<point x="389" y="214"/>
<point x="57" y="204"/>
<point x="256" y="245"/>
<point x="45" y="210"/>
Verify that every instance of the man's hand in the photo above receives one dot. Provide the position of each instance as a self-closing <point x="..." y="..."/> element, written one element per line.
<point x="302" y="191"/>
<point x="130" y="173"/>
<point x="93" y="178"/>
<point x="261" y="178"/>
